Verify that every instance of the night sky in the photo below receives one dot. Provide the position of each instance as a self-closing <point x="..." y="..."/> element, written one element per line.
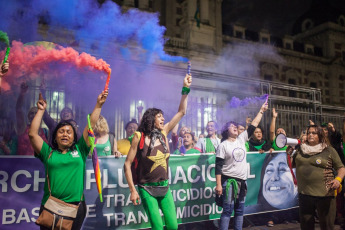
<point x="277" y="16"/>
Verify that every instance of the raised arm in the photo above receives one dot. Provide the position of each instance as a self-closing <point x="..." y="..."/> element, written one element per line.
<point x="35" y="139"/>
<point x="273" y="125"/>
<point x="183" y="104"/>
<point x="20" y="117"/>
<point x="174" y="130"/>
<point x="95" y="113"/>
<point x="140" y="112"/>
<point x="128" y="172"/>
<point x="258" y="117"/>
<point x="46" y="117"/>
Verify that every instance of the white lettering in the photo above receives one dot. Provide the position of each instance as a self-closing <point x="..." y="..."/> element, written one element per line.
<point x="178" y="195"/>
<point x="119" y="198"/>
<point x="190" y="173"/>
<point x="35" y="212"/>
<point x="180" y="175"/>
<point x="195" y="214"/>
<point x="108" y="215"/>
<point x="209" y="176"/>
<point x="38" y="180"/>
<point x="8" y="214"/>
<point x="14" y="181"/>
<point x="23" y="215"/>
<point x="3" y="181"/>
<point x="142" y="217"/>
<point x="120" y="217"/>
<point x="90" y="209"/>
<point x="120" y="178"/>
<point x="248" y="173"/>
<point x="108" y="199"/>
<point x="106" y="180"/>
<point x="88" y="179"/>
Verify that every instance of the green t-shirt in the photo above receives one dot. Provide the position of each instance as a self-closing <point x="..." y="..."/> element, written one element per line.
<point x="177" y="151"/>
<point x="315" y="172"/>
<point x="66" y="172"/>
<point x="103" y="149"/>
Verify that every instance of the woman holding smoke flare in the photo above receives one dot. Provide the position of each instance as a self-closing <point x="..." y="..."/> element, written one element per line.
<point x="65" y="159"/>
<point x="151" y="150"/>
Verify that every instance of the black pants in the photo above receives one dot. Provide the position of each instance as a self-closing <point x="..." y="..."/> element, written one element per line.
<point x="326" y="209"/>
<point x="78" y="222"/>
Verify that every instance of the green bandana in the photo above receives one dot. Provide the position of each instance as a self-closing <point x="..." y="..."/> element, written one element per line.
<point x="209" y="146"/>
<point x="235" y="185"/>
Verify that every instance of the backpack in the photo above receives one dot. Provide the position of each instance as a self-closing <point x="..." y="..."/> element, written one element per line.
<point x="134" y="166"/>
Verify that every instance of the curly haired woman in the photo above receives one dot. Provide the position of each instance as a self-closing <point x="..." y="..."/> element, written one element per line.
<point x="151" y="149"/>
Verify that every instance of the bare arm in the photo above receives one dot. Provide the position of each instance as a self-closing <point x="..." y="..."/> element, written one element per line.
<point x="340" y="174"/>
<point x="258" y="117"/>
<point x="140" y="113"/>
<point x="35" y="139"/>
<point x="95" y="113"/>
<point x="182" y="108"/>
<point x="174" y="130"/>
<point x="114" y="146"/>
<point x="128" y="172"/>
<point x="20" y="117"/>
<point x="273" y="125"/>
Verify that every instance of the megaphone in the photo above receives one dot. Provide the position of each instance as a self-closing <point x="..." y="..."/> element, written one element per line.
<point x="282" y="140"/>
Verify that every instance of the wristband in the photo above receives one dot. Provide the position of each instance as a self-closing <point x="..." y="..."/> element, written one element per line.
<point x="185" y="90"/>
<point x="338" y="179"/>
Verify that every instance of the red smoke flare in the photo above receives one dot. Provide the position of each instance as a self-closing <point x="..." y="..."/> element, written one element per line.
<point x="31" y="60"/>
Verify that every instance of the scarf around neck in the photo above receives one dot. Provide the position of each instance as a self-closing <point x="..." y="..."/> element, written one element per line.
<point x="257" y="144"/>
<point x="155" y="133"/>
<point x="313" y="150"/>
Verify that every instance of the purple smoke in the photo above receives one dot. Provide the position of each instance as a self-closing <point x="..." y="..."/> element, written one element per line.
<point x="236" y="102"/>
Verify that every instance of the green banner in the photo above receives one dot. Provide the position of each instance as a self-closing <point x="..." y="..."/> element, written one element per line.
<point x="191" y="178"/>
<point x="192" y="182"/>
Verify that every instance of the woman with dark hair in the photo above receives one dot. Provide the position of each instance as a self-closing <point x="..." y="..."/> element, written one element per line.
<point x="124" y="145"/>
<point x="231" y="170"/>
<point x="257" y="143"/>
<point x="65" y="159"/>
<point x="151" y="150"/>
<point x="315" y="164"/>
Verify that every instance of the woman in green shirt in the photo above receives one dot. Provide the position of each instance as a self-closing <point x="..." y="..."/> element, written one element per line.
<point x="65" y="159"/>
<point x="106" y="142"/>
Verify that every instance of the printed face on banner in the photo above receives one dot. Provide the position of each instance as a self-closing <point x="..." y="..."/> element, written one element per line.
<point x="278" y="188"/>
